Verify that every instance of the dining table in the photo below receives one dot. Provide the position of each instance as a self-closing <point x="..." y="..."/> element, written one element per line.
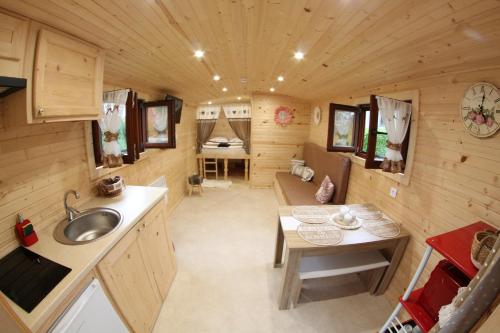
<point x="291" y="248"/>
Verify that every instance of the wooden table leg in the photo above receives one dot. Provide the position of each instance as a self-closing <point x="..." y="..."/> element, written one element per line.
<point x="246" y="169"/>
<point x="225" y="169"/>
<point x="200" y="166"/>
<point x="385" y="280"/>
<point x="290" y="274"/>
<point x="278" y="254"/>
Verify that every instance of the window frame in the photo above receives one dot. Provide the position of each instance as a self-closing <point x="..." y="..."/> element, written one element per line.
<point x="371" y="160"/>
<point x="171" y="144"/>
<point x="331" y="127"/>
<point x="131" y="130"/>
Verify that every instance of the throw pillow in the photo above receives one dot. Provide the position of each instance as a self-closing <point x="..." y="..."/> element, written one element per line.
<point x="218" y="139"/>
<point x="325" y="191"/>
<point x="297" y="170"/>
<point x="307" y="174"/>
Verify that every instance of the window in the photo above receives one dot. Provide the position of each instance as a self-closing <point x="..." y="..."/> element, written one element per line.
<point x="343" y="128"/>
<point x="128" y="132"/>
<point x="362" y="131"/>
<point x="158" y="124"/>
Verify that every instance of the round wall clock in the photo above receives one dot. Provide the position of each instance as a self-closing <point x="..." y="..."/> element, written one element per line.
<point x="480" y="109"/>
<point x="316" y="115"/>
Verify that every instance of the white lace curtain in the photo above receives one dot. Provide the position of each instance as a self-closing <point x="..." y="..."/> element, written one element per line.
<point x="110" y="123"/>
<point x="396" y="116"/>
<point x="237" y="111"/>
<point x="208" y="112"/>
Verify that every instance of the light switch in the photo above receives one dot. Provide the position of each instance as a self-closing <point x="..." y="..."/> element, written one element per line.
<point x="393" y="192"/>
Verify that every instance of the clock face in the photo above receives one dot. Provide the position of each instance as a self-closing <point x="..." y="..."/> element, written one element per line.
<point x="480" y="109"/>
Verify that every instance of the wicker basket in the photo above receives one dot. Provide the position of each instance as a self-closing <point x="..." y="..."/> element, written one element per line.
<point x="111" y="187"/>
<point x="481" y="246"/>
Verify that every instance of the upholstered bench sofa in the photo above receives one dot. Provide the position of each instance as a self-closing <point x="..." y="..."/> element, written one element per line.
<point x="291" y="190"/>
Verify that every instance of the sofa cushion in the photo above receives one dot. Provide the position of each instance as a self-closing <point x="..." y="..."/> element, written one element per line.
<point x="296" y="191"/>
<point x="335" y="165"/>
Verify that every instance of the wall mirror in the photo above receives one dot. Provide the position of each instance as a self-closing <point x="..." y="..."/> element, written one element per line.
<point x="158" y="124"/>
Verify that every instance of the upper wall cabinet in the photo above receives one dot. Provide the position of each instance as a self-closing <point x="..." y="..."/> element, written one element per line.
<point x="13" y="36"/>
<point x="67" y="78"/>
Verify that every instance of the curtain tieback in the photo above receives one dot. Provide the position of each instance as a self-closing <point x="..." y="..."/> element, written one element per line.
<point x="108" y="136"/>
<point x="394" y="146"/>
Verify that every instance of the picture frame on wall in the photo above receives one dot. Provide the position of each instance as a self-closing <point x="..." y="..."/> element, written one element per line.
<point x="342" y="128"/>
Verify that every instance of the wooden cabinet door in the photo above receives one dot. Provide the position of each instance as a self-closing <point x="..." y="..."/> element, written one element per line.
<point x="129" y="280"/>
<point x="67" y="79"/>
<point x="158" y="249"/>
<point x="13" y="36"/>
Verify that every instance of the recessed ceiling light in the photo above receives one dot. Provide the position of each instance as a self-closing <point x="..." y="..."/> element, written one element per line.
<point x="224" y="89"/>
<point x="271" y="89"/>
<point x="281" y="78"/>
<point x="199" y="54"/>
<point x="210" y="102"/>
<point x="299" y="55"/>
<point x="239" y="98"/>
<point x="216" y="77"/>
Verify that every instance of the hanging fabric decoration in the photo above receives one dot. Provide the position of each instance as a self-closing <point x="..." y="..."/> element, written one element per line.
<point x="160" y="122"/>
<point x="283" y="116"/>
<point x="237" y="111"/>
<point x="208" y="112"/>
<point x="110" y="125"/>
<point x="396" y="116"/>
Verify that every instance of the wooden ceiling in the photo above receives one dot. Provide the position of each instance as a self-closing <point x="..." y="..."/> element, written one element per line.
<point x="348" y="44"/>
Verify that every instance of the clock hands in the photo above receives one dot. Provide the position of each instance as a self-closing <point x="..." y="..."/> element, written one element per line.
<point x="482" y="102"/>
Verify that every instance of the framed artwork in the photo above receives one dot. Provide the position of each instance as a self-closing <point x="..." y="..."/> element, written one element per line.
<point x="343" y="128"/>
<point x="158" y="124"/>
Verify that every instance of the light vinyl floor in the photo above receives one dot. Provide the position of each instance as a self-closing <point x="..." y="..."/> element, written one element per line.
<point x="225" y="282"/>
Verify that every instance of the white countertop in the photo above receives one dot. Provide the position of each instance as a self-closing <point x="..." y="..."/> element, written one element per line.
<point x="133" y="204"/>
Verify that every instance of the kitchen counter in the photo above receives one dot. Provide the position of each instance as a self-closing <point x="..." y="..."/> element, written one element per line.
<point x="133" y="204"/>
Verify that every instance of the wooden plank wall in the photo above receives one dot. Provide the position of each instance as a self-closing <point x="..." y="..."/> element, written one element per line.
<point x="39" y="162"/>
<point x="455" y="179"/>
<point x="272" y="145"/>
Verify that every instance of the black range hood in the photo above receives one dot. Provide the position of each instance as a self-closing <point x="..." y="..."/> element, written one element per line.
<point x="10" y="84"/>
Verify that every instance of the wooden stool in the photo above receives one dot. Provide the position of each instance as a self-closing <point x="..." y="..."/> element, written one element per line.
<point x="195" y="181"/>
<point x="212" y="162"/>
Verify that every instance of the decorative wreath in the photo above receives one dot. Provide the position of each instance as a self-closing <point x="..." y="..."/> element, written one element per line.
<point x="283" y="116"/>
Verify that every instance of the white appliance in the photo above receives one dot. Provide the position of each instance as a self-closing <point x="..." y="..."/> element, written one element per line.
<point x="90" y="313"/>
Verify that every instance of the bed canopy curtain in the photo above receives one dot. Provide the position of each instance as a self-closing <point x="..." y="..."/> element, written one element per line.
<point x="206" y="117"/>
<point x="239" y="118"/>
<point x="396" y="116"/>
<point x="109" y="124"/>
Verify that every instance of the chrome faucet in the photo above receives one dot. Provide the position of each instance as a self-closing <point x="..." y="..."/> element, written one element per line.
<point x="70" y="211"/>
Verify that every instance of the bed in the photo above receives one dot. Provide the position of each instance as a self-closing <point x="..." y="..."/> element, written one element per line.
<point x="226" y="154"/>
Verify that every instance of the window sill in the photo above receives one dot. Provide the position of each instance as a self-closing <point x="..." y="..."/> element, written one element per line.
<point x="99" y="172"/>
<point x="401" y="178"/>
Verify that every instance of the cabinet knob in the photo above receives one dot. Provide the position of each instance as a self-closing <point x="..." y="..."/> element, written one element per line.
<point x="40" y="110"/>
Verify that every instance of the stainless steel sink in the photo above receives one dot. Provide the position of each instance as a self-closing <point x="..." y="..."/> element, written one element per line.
<point x="88" y="226"/>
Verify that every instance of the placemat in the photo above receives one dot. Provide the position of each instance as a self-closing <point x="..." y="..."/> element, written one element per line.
<point x="324" y="234"/>
<point x="362" y="207"/>
<point x="383" y="228"/>
<point x="311" y="214"/>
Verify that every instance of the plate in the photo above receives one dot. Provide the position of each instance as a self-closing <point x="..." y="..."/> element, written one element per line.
<point x="316" y="115"/>
<point x="356" y="225"/>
